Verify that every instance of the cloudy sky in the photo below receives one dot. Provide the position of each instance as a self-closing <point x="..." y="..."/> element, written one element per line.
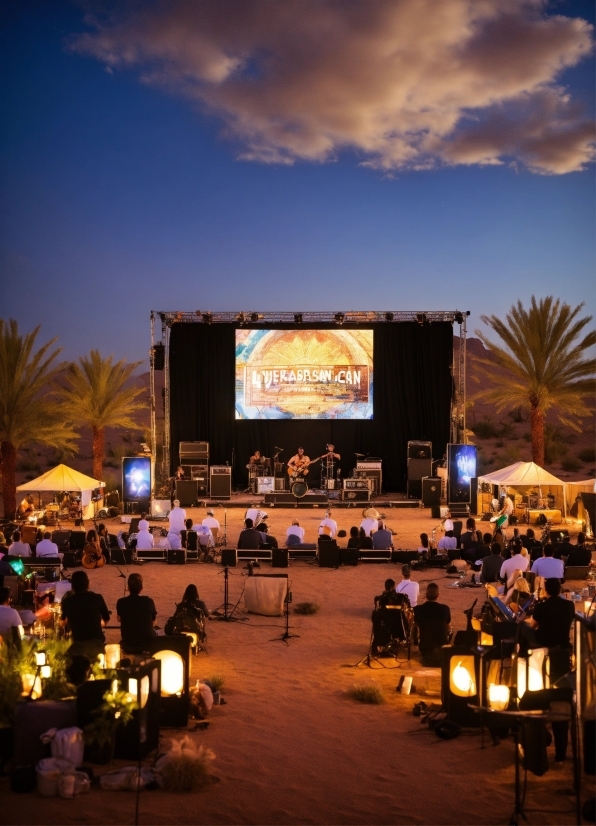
<point x="296" y="155"/>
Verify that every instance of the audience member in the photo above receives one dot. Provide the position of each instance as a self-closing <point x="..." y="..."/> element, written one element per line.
<point x="408" y="587"/>
<point x="177" y="518"/>
<point x="468" y="540"/>
<point x="212" y="523"/>
<point x="136" y="615"/>
<point x="447" y="542"/>
<point x="448" y="522"/>
<point x="365" y="542"/>
<point x="579" y="555"/>
<point x="143" y="524"/>
<point x="547" y="566"/>
<point x="145" y="540"/>
<point x="330" y="523"/>
<point x="266" y="537"/>
<point x="294" y="531"/>
<point x="84" y="613"/>
<point x="353" y="541"/>
<point x="250" y="538"/>
<point x="433" y="626"/>
<point x="104" y="541"/>
<point x="516" y="562"/>
<point x="425" y="546"/>
<point x="46" y="547"/>
<point x="9" y="617"/>
<point x="382" y="538"/>
<point x="370" y="521"/>
<point x="18" y="548"/>
<point x="3" y="545"/>
<point x="191" y="599"/>
<point x="491" y="565"/>
<point x="173" y="541"/>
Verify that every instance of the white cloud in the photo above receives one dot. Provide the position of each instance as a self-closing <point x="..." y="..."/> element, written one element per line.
<point x="405" y="83"/>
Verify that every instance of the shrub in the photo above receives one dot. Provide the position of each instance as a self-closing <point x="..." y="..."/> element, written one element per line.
<point x="571" y="464"/>
<point x="518" y="415"/>
<point x="587" y="455"/>
<point x="554" y="444"/>
<point x="484" y="429"/>
<point x="306" y="608"/>
<point x="217" y="682"/>
<point x="367" y="693"/>
<point x="506" y="430"/>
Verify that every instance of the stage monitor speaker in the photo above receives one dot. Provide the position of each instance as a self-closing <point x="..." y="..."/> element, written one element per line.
<point x="431" y="491"/>
<point x="279" y="557"/>
<point x="328" y="555"/>
<point x="221" y="482"/>
<point x="229" y="557"/>
<point x="420" y="450"/>
<point x="419" y="468"/>
<point x="176" y="556"/>
<point x="186" y="492"/>
<point x="414" y="488"/>
<point x="349" y="556"/>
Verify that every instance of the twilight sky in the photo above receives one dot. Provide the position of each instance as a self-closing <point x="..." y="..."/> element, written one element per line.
<point x="304" y="155"/>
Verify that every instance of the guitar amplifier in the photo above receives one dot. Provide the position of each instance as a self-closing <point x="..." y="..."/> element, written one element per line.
<point x="280" y="483"/>
<point x="221" y="481"/>
<point x="420" y="450"/>
<point x="372" y="471"/>
<point x="193" y="453"/>
<point x="364" y="483"/>
<point x="356" y="495"/>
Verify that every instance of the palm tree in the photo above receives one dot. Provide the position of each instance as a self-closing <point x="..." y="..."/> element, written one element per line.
<point x="542" y="364"/>
<point x="97" y="395"/>
<point x="27" y="413"/>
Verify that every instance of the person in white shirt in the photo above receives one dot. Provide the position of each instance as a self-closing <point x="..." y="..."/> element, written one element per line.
<point x="256" y="514"/>
<point x="295" y="530"/>
<point x="448" y="523"/>
<point x="9" y="618"/>
<point x="408" y="587"/>
<point x="447" y="542"/>
<point x="210" y="521"/>
<point x="330" y="523"/>
<point x="547" y="566"/>
<point x="516" y="562"/>
<point x="174" y="541"/>
<point x="143" y="524"/>
<point x="177" y="518"/>
<point x="18" y="548"/>
<point x="145" y="541"/>
<point x="370" y="521"/>
<point x="507" y="510"/>
<point x="204" y="534"/>
<point x="46" y="547"/>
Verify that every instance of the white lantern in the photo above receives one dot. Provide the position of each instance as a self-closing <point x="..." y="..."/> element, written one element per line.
<point x="462" y="677"/>
<point x="172" y="672"/>
<point x="40" y="658"/>
<point x="498" y="697"/>
<point x="113" y="655"/>
<point x="533" y="666"/>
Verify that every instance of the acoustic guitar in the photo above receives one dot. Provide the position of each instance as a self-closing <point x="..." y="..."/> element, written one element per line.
<point x="300" y="469"/>
<point x="92" y="557"/>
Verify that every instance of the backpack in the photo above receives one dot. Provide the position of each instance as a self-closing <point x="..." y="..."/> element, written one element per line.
<point x="186" y="621"/>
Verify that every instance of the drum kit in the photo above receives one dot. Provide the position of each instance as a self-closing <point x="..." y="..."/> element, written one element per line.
<point x="256" y="471"/>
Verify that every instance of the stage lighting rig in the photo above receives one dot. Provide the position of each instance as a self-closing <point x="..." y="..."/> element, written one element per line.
<point x="459" y="318"/>
<point x="388" y="316"/>
<point x="207" y="318"/>
<point x="339" y="318"/>
<point x="421" y="318"/>
<point x="297" y="318"/>
<point x="254" y="317"/>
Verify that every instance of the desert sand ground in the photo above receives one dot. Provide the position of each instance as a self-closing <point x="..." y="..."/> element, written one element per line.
<point x="291" y="746"/>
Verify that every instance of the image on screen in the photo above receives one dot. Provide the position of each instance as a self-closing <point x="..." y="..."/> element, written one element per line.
<point x="136" y="478"/>
<point x="462" y="469"/>
<point x="304" y="374"/>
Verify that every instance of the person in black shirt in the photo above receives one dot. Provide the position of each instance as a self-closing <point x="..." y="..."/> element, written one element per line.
<point x="365" y="542"/>
<point x="579" y="554"/>
<point x="85" y="613"/>
<point x="266" y="537"/>
<point x="353" y="541"/>
<point x="491" y="565"/>
<point x="433" y="626"/>
<point x="388" y="625"/>
<point x="250" y="538"/>
<point x="136" y="615"/>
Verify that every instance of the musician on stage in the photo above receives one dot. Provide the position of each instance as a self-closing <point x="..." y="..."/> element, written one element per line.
<point x="328" y="464"/>
<point x="256" y="458"/>
<point x="299" y="463"/>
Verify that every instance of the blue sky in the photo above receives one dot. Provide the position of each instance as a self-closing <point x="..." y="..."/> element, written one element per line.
<point x="120" y="196"/>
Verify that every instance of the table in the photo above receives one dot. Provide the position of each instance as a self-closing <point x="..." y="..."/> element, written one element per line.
<point x="553" y="516"/>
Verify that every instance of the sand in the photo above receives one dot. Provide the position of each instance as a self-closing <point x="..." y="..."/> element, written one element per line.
<point x="290" y="745"/>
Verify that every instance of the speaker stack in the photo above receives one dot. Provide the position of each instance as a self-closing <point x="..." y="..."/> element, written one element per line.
<point x="193" y="453"/>
<point x="221" y="482"/>
<point x="186" y="493"/>
<point x="420" y="464"/>
<point x="431" y="491"/>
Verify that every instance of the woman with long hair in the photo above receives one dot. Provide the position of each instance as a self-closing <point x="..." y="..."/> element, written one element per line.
<point x="92" y="554"/>
<point x="192" y="602"/>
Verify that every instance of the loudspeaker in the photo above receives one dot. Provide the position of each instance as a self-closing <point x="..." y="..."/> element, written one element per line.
<point x="419" y="468"/>
<point x="70" y="560"/>
<point x="177" y="556"/>
<point x="77" y="540"/>
<point x="279" y="557"/>
<point x="414" y="488"/>
<point x="229" y="557"/>
<point x="221" y="482"/>
<point x="431" y="491"/>
<point x="186" y="492"/>
<point x="158" y="356"/>
<point x="328" y="554"/>
<point x="348" y="556"/>
<point x="420" y="450"/>
<point x="194" y="453"/>
<point x="61" y="539"/>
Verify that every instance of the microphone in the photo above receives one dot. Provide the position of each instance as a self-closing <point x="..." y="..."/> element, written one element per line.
<point x="278" y="448"/>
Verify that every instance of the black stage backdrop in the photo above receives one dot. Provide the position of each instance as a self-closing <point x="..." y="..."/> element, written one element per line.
<point x="412" y="400"/>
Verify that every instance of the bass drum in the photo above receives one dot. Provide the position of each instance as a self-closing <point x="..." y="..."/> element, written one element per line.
<point x="299" y="488"/>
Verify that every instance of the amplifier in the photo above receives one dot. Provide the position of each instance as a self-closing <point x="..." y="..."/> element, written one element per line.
<point x="193" y="452"/>
<point x="186" y="492"/>
<point x="420" y="450"/>
<point x="221" y="481"/>
<point x="431" y="491"/>
<point x="419" y="468"/>
<point x="372" y="473"/>
<point x="196" y="472"/>
<point x="363" y="483"/>
<point x="372" y="465"/>
<point x="280" y="483"/>
<point x="355" y="495"/>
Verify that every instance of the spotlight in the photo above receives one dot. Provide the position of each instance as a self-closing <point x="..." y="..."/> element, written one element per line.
<point x="207" y="318"/>
<point x="388" y="316"/>
<point x="240" y="318"/>
<point x="459" y="318"/>
<point x="339" y="318"/>
<point x="421" y="318"/>
<point x="298" y="318"/>
<point x="197" y="312"/>
<point x="178" y="316"/>
<point x="254" y="317"/>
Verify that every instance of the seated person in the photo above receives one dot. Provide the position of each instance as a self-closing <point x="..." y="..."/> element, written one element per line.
<point x="191" y="599"/>
<point x="408" y="587"/>
<point x="294" y="531"/>
<point x="145" y="540"/>
<point x="46" y="547"/>
<point x="266" y="537"/>
<point x="425" y="546"/>
<point x="370" y="521"/>
<point x="84" y="613"/>
<point x="18" y="548"/>
<point x="353" y="541"/>
<point x="449" y="543"/>
<point x="547" y="566"/>
<point x="491" y="565"/>
<point x="143" y="524"/>
<point x="387" y="624"/>
<point x="26" y="507"/>
<point x="382" y="538"/>
<point x="330" y="523"/>
<point x="9" y="617"/>
<point x="104" y="541"/>
<point x="579" y="556"/>
<point x="177" y="518"/>
<point x="483" y="548"/>
<point x="469" y="540"/>
<point x="204" y="534"/>
<point x="433" y="626"/>
<point x="515" y="566"/>
<point x="365" y="542"/>
<point x="250" y="538"/>
<point x="173" y="542"/>
<point x="136" y="615"/>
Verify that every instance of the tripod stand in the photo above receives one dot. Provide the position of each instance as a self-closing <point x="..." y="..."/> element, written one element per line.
<point x="286" y="635"/>
<point x="227" y="617"/>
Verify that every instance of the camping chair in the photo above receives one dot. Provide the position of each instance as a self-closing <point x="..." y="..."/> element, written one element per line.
<point x="214" y="534"/>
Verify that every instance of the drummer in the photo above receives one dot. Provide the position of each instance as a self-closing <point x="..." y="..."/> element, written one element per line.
<point x="257" y="459"/>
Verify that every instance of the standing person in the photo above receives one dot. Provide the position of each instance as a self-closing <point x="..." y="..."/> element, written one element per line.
<point x="408" y="587"/>
<point x="507" y="510"/>
<point x="433" y="626"/>
<point x="18" y="548"/>
<point x="330" y="523"/>
<point x="9" y="617"/>
<point x="547" y="566"/>
<point x="329" y="458"/>
<point x="382" y="539"/>
<point x="295" y="530"/>
<point x="46" y="547"/>
<point x="177" y="518"/>
<point x="370" y="521"/>
<point x="136" y="615"/>
<point x="84" y="613"/>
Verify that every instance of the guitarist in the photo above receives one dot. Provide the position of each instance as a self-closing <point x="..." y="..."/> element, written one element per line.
<point x="298" y="464"/>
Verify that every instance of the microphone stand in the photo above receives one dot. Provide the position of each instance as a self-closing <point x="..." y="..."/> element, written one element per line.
<point x="226" y="617"/>
<point x="286" y="635"/>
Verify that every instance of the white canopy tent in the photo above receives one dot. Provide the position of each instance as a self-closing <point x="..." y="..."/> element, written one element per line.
<point x="65" y="478"/>
<point x="527" y="475"/>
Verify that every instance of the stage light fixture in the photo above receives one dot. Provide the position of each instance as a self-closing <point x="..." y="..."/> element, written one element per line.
<point x="241" y="318"/>
<point x="421" y="318"/>
<point x="254" y="317"/>
<point x="459" y="318"/>
<point x="298" y="318"/>
<point x="207" y="318"/>
<point x="388" y="316"/>
<point x="339" y="318"/>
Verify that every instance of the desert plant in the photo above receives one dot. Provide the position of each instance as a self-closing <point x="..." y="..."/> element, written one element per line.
<point x="587" y="455"/>
<point x="306" y="608"/>
<point x="484" y="429"/>
<point x="27" y="410"/>
<point x="217" y="682"/>
<point x="518" y="415"/>
<point x="185" y="767"/>
<point x="116" y="709"/>
<point x="367" y="693"/>
<point x="542" y="364"/>
<point x="554" y="443"/>
<point x="98" y="394"/>
<point x="571" y="464"/>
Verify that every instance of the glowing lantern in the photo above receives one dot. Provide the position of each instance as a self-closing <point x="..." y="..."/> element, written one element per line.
<point x="133" y="687"/>
<point x="144" y="696"/>
<point x="31" y="686"/>
<point x="40" y="658"/>
<point x="498" y="697"/>
<point x="45" y="671"/>
<point x="462" y="676"/>
<point x="113" y="655"/>
<point x="172" y="672"/>
<point x="529" y="672"/>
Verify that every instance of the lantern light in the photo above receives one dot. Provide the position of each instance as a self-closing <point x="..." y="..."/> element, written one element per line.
<point x="144" y="695"/>
<point x="462" y="677"/>
<point x="529" y="672"/>
<point x="40" y="658"/>
<point x="45" y="671"/>
<point x="172" y="673"/>
<point x="133" y="686"/>
<point x="498" y="697"/>
<point x="113" y="655"/>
